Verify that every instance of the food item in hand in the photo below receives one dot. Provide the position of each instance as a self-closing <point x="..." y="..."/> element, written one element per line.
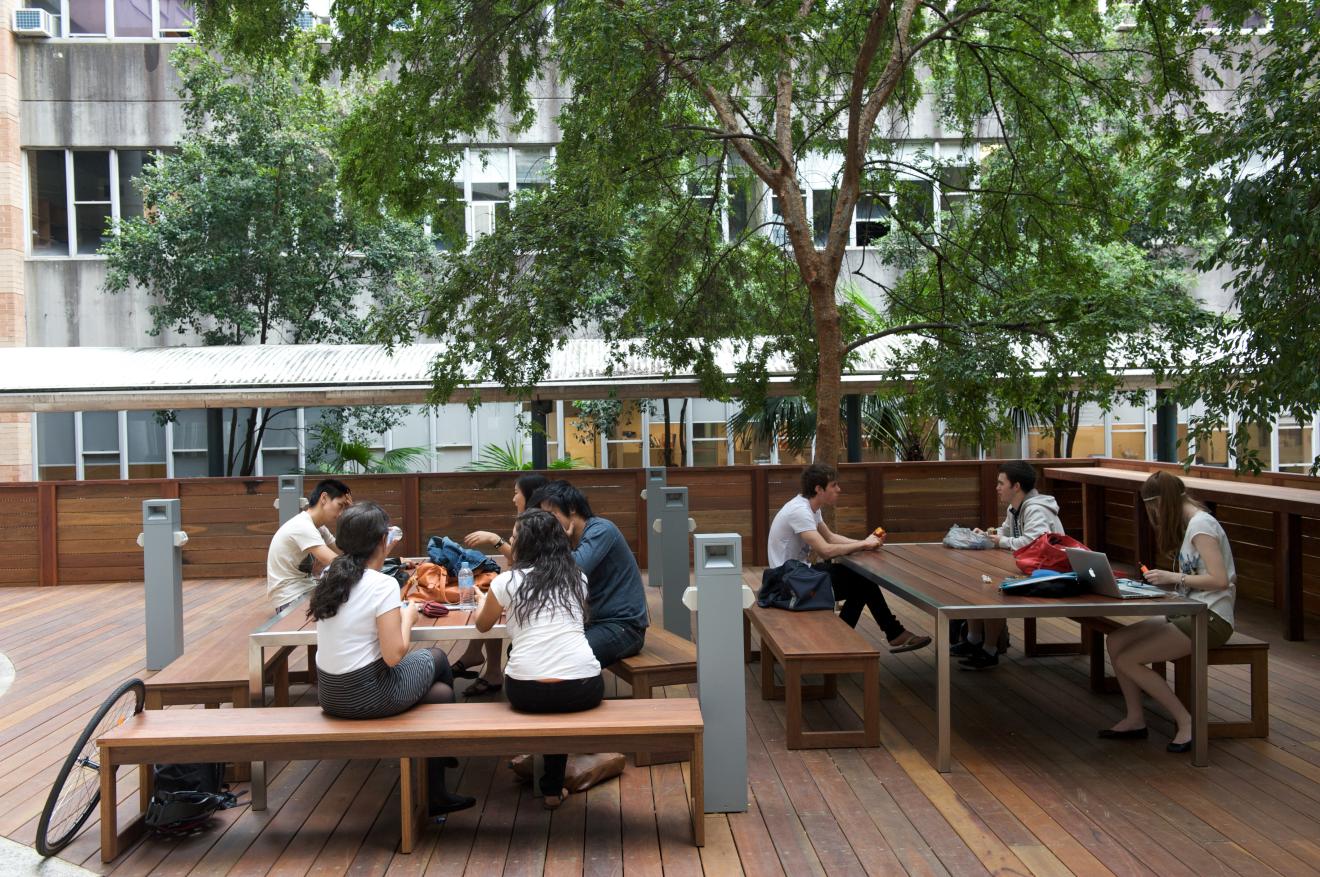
<point x="879" y="532"/>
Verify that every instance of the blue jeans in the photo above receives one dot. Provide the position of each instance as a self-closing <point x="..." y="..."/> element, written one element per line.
<point x="612" y="641"/>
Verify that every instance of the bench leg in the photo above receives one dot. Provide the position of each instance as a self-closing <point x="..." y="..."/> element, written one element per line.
<point x="280" y="678"/>
<point x="1260" y="694"/>
<point x="769" y="690"/>
<point x="1032" y="648"/>
<point x="311" y="665"/>
<point x="698" y="779"/>
<point x="114" y="841"/>
<point x="412" y="802"/>
<point x="871" y="702"/>
<point x="793" y="704"/>
<point x="749" y="654"/>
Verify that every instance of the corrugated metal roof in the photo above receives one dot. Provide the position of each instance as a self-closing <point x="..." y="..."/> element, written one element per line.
<point x="89" y="378"/>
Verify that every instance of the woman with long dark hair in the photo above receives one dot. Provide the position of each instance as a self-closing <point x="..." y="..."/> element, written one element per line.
<point x="1198" y="565"/>
<point x="492" y="675"/>
<point x="364" y="668"/>
<point x="551" y="666"/>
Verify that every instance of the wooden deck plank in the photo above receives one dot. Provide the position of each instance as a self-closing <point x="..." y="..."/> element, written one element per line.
<point x="1032" y="787"/>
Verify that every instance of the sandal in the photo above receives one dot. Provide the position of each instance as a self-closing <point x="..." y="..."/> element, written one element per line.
<point x="908" y="641"/>
<point x="482" y="687"/>
<point x="463" y="671"/>
<point x="552" y="802"/>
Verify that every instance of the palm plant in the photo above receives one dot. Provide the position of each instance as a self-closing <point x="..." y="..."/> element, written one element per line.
<point x="510" y="458"/>
<point x="343" y="456"/>
<point x="888" y="424"/>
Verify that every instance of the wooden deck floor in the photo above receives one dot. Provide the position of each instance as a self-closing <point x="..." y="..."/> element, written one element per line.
<point x="1033" y="791"/>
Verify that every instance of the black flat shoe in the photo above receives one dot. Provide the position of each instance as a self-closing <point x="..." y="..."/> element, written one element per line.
<point x="463" y="671"/>
<point x="1129" y="734"/>
<point x="982" y="660"/>
<point x="1179" y="748"/>
<point x="964" y="649"/>
<point x="448" y="803"/>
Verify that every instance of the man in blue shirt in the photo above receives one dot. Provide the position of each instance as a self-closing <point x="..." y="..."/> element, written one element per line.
<point x="616" y="600"/>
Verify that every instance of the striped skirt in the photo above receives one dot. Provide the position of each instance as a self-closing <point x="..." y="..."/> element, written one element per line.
<point x="377" y="690"/>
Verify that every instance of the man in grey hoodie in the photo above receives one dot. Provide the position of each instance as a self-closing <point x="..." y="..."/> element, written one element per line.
<point x="1030" y="516"/>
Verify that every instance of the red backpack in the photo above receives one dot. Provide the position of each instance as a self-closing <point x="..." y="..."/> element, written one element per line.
<point x="1046" y="552"/>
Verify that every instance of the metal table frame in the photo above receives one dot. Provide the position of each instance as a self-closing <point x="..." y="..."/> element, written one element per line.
<point x="1023" y="607"/>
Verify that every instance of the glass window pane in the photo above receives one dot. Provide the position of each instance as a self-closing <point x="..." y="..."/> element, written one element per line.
<point x="278" y="462"/>
<point x="92" y="227"/>
<point x="55" y="447"/>
<point x="488" y="191"/>
<point x="176" y="18"/>
<point x="146" y="438"/>
<point x="1294" y="445"/>
<point x="281" y="430"/>
<point x="91" y="176"/>
<point x="448" y="222"/>
<point x="708" y="431"/>
<point x="453" y="426"/>
<point x="190" y="464"/>
<point x="131" y="163"/>
<point x="822" y="212"/>
<point x="709" y="454"/>
<point x="532" y="165"/>
<point x="100" y="431"/>
<point x="872" y="219"/>
<point x="706" y="410"/>
<point x="132" y="18"/>
<point x="1259" y="441"/>
<point x="915" y="202"/>
<point x="87" y="17"/>
<point x="737" y="209"/>
<point x="50" y="205"/>
<point x="190" y="431"/>
<point x="489" y="166"/>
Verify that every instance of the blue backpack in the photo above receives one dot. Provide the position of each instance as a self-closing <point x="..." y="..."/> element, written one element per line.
<point x="449" y="554"/>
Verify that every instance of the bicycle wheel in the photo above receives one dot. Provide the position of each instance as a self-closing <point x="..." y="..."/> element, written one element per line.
<point x="77" y="789"/>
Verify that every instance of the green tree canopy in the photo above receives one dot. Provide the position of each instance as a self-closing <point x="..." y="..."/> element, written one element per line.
<point x="1255" y="180"/>
<point x="685" y="114"/>
<point x="244" y="238"/>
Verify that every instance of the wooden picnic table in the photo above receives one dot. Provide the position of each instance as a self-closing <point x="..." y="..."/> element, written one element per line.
<point x="1288" y="505"/>
<point x="948" y="584"/>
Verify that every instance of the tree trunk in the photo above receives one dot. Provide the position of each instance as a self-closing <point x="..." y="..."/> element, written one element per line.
<point x="829" y="339"/>
<point x="682" y="434"/>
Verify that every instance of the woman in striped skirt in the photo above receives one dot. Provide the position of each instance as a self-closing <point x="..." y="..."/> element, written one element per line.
<point x="364" y="668"/>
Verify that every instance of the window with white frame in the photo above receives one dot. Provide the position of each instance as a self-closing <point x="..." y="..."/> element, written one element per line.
<point x="1296" y="444"/>
<point x="124" y="19"/>
<point x="146" y="445"/>
<point x="870" y="218"/>
<point x="56" y="446"/>
<point x="488" y="179"/>
<point x="532" y="167"/>
<point x="189" y="432"/>
<point x="279" y="442"/>
<point x="100" y="445"/>
<point x="75" y="194"/>
<point x="710" y="433"/>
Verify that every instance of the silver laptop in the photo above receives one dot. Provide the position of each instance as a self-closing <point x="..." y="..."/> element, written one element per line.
<point x="1094" y="571"/>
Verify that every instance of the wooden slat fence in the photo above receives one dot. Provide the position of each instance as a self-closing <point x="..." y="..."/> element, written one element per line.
<point x="85" y="532"/>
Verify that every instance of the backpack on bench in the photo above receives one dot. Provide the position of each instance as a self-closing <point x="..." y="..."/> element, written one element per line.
<point x="186" y="795"/>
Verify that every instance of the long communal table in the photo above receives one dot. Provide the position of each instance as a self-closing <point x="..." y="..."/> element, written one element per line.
<point x="1288" y="505"/>
<point x="292" y="628"/>
<point x="948" y="585"/>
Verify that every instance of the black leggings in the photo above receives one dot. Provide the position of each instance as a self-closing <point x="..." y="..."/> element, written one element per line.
<point x="566" y="696"/>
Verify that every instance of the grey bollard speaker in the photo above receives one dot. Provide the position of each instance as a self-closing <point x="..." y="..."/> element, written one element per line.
<point x="674" y="560"/>
<point x="290" y="497"/>
<point x="162" y="563"/>
<point x="656" y="479"/>
<point x="720" y="672"/>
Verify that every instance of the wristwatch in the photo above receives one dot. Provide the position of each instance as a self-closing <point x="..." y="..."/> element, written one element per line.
<point x="499" y="543"/>
<point x="1182" y="583"/>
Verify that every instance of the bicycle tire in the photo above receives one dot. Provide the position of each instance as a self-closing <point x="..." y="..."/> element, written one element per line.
<point x="69" y="812"/>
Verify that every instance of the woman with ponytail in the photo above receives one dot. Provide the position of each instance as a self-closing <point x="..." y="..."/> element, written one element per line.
<point x="1197" y="564"/>
<point x="364" y="668"/>
<point x="552" y="668"/>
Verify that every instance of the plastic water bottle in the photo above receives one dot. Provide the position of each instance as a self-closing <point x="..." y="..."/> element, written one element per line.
<point x="467" y="591"/>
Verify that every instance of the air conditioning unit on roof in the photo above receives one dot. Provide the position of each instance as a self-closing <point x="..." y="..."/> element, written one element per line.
<point x="33" y="23"/>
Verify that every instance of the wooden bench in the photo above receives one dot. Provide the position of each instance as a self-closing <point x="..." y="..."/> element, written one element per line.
<point x="213" y="670"/>
<point x="814" y="642"/>
<point x="665" y="659"/>
<point x="303" y="733"/>
<point x="1239" y="650"/>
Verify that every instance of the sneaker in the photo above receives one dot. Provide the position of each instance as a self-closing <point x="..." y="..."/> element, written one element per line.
<point x="964" y="649"/>
<point x="982" y="660"/>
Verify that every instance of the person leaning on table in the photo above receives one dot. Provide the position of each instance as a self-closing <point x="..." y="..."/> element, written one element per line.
<point x="1191" y="541"/>
<point x="1031" y="514"/>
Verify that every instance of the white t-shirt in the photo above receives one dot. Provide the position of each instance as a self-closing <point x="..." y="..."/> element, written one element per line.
<point x="794" y="519"/>
<point x="285" y="582"/>
<point x="552" y="645"/>
<point x="348" y="640"/>
<point x="1191" y="563"/>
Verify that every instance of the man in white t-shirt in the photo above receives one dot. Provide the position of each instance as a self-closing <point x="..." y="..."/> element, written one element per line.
<point x="304" y="544"/>
<point x="799" y="530"/>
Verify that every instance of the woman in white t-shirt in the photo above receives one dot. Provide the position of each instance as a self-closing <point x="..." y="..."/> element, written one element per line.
<point x="363" y="667"/>
<point x="1192" y="541"/>
<point x="551" y="667"/>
